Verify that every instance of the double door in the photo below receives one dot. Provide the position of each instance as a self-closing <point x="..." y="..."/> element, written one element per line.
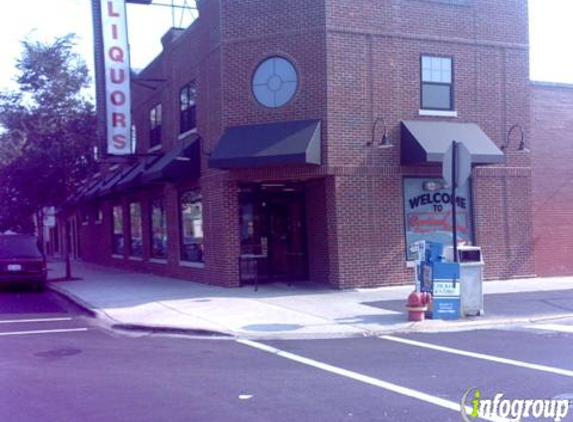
<point x="273" y="233"/>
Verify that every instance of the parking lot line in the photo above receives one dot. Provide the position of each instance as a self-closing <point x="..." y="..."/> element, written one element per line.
<point x="552" y="327"/>
<point x="22" y="333"/>
<point x="405" y="391"/>
<point x="15" y="321"/>
<point x="491" y="358"/>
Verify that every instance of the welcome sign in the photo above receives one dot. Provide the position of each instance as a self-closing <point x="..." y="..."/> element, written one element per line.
<point x="428" y="212"/>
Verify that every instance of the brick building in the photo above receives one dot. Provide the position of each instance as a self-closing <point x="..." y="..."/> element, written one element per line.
<point x="262" y="132"/>
<point x="552" y="129"/>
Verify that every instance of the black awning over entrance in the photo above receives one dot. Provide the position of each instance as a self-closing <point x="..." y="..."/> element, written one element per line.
<point x="183" y="161"/>
<point x="426" y="142"/>
<point x="276" y="144"/>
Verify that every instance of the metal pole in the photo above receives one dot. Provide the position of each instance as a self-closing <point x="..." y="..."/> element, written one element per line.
<point x="453" y="199"/>
<point x="68" y="260"/>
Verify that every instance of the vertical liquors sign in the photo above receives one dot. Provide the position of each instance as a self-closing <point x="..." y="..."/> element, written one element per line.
<point x="116" y="66"/>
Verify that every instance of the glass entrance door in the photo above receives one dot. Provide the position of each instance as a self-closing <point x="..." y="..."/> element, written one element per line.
<point x="273" y="232"/>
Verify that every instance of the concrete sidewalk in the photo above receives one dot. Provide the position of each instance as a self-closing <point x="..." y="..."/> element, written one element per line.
<point x="137" y="300"/>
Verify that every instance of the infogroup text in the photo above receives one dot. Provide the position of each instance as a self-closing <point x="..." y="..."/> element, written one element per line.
<point x="474" y="405"/>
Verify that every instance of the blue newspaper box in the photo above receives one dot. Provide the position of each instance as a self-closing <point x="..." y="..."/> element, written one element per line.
<point x="442" y="280"/>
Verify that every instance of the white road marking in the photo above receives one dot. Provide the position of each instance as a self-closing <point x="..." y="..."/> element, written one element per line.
<point x="491" y="358"/>
<point x="15" y="321"/>
<point x="405" y="391"/>
<point x="21" y="333"/>
<point x="552" y="327"/>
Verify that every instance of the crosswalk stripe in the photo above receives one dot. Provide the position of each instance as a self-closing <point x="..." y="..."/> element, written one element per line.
<point x="15" y="321"/>
<point x="405" y="391"/>
<point x="21" y="333"/>
<point x="482" y="356"/>
<point x="553" y="327"/>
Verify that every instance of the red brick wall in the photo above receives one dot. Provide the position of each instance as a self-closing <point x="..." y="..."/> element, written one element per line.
<point x="551" y="138"/>
<point x="374" y="51"/>
<point x="356" y="61"/>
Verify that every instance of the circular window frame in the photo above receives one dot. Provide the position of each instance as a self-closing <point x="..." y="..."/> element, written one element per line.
<point x="292" y="63"/>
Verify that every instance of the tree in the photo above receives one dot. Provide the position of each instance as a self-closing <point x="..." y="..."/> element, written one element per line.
<point x="47" y="131"/>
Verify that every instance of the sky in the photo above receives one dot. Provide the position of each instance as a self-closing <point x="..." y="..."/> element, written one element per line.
<point x="551" y="29"/>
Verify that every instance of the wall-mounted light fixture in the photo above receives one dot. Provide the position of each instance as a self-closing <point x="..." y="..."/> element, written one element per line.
<point x="384" y="141"/>
<point x="521" y="146"/>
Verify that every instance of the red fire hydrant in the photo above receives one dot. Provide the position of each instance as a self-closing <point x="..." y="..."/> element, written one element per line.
<point x="416" y="306"/>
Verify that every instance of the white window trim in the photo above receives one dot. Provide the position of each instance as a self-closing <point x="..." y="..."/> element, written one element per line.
<point x="116" y="256"/>
<point x="438" y="113"/>
<point x="158" y="260"/>
<point x="186" y="134"/>
<point x="135" y="258"/>
<point x="191" y="264"/>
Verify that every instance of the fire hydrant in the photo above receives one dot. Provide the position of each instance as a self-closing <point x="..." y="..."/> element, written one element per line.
<point x="416" y="306"/>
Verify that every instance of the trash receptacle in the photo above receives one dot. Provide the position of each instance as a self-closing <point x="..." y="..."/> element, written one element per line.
<point x="471" y="278"/>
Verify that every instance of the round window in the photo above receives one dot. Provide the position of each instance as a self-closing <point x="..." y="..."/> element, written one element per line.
<point x="274" y="82"/>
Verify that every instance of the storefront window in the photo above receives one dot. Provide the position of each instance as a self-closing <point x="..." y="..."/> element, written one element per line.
<point x="136" y="246"/>
<point x="118" y="239"/>
<point x="428" y="213"/>
<point x="158" y="229"/>
<point x="191" y="226"/>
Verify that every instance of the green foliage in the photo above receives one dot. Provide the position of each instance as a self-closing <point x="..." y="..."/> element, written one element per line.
<point x="48" y="131"/>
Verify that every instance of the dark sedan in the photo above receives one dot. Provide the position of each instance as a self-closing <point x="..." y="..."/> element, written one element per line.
<point x="22" y="261"/>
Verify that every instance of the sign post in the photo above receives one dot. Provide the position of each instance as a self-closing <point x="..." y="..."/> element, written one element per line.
<point x="456" y="169"/>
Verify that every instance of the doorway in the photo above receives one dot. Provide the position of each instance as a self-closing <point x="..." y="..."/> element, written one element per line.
<point x="272" y="232"/>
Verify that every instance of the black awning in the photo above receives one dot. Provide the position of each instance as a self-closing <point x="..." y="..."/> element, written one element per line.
<point x="110" y="184"/>
<point x="426" y="142"/>
<point x="92" y="192"/>
<point x="132" y="178"/>
<point x="276" y="144"/>
<point x="183" y="161"/>
<point x="84" y="191"/>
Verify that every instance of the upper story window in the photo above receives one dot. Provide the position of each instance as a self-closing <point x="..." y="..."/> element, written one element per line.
<point x="274" y="82"/>
<point x="187" y="108"/>
<point x="437" y="92"/>
<point x="155" y="126"/>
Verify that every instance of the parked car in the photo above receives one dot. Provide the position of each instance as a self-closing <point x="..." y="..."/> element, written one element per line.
<point x="22" y="261"/>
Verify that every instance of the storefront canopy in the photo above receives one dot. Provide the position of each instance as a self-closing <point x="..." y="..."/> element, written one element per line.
<point x="133" y="177"/>
<point x="84" y="193"/>
<point x="426" y="142"/>
<point x="276" y="144"/>
<point x="110" y="185"/>
<point x="183" y="161"/>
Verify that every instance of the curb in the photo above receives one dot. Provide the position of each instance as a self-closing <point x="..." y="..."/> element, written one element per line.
<point x="427" y="326"/>
<point x="85" y="306"/>
<point x="171" y="330"/>
<point x="115" y="325"/>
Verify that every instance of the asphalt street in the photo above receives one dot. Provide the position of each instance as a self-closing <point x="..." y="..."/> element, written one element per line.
<point x="58" y="365"/>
